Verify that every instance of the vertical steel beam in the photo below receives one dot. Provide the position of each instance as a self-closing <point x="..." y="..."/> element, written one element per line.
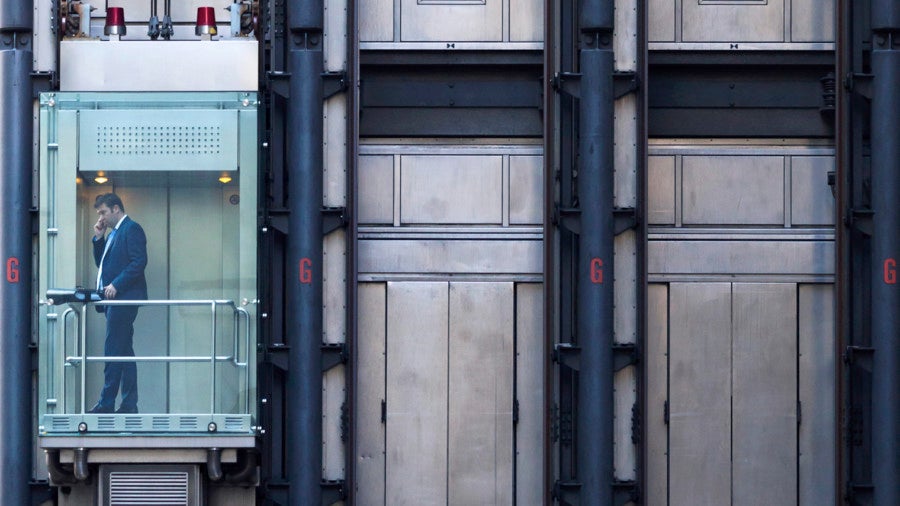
<point x="15" y="249"/>
<point x="885" y="138"/>
<point x="304" y="137"/>
<point x="595" y="298"/>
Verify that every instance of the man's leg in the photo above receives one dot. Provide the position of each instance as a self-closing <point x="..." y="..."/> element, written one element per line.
<point x="119" y="339"/>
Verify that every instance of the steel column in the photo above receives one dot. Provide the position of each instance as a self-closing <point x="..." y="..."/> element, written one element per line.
<point x="595" y="299"/>
<point x="15" y="250"/>
<point x="885" y="139"/>
<point x="304" y="138"/>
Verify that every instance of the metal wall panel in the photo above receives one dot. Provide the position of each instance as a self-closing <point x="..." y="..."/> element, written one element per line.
<point x="624" y="449"/>
<point x="450" y="256"/>
<point x="375" y="174"/>
<point x="657" y="365"/>
<point x="530" y="364"/>
<point x="376" y="20"/>
<point x="699" y="394"/>
<point x="811" y="200"/>
<point x="661" y="190"/>
<point x="370" y="392"/>
<point x="625" y="279"/>
<point x="417" y="383"/>
<point x="451" y="189"/>
<point x="733" y="190"/>
<point x="625" y="153"/>
<point x="525" y="18"/>
<point x="335" y="151"/>
<point x="764" y="394"/>
<point x="717" y="21"/>
<point x="451" y="20"/>
<point x="661" y="20"/>
<point x="812" y="20"/>
<point x="480" y="400"/>
<point x="526" y="190"/>
<point x="810" y="257"/>
<point x="625" y="41"/>
<point x="816" y="388"/>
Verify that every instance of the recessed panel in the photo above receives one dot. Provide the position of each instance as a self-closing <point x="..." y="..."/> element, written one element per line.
<point x="455" y="189"/>
<point x="530" y="363"/>
<point x="741" y="257"/>
<point x="525" y="20"/>
<point x="733" y="190"/>
<point x="661" y="20"/>
<point x="526" y="190"/>
<point x="451" y="20"/>
<point x="812" y="202"/>
<point x="661" y="190"/>
<point x="812" y="20"/>
<point x="376" y="189"/>
<point x="450" y="256"/>
<point x="376" y="21"/>
<point x="733" y="21"/>
<point x="370" y="450"/>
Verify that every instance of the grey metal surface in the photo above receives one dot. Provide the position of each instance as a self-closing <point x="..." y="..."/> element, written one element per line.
<point x="625" y="42"/>
<point x="741" y="257"/>
<point x="625" y="149"/>
<point x="449" y="256"/>
<point x="530" y="373"/>
<point x="451" y="21"/>
<point x="811" y="200"/>
<point x="815" y="391"/>
<point x="370" y="392"/>
<point x="16" y="247"/>
<point x="812" y="20"/>
<point x="417" y="386"/>
<point x="526" y="190"/>
<point x="155" y="442"/>
<point x="175" y="485"/>
<point x="662" y="20"/>
<point x="626" y="295"/>
<point x="526" y="21"/>
<point x="223" y="65"/>
<point x="625" y="462"/>
<point x="451" y="189"/>
<point x="656" y="393"/>
<point x="375" y="195"/>
<point x="661" y="190"/>
<point x="753" y="21"/>
<point x="480" y="399"/>
<point x="764" y="394"/>
<point x="733" y="190"/>
<point x="699" y="394"/>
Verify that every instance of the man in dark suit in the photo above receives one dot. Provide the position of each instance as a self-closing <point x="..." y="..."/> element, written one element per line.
<point x="121" y="258"/>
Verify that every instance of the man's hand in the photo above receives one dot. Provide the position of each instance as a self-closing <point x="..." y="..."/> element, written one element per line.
<point x="109" y="292"/>
<point x="99" y="228"/>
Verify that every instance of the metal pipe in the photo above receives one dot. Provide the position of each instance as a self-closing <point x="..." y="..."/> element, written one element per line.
<point x="80" y="464"/>
<point x="214" y="464"/>
<point x="594" y="327"/>
<point x="885" y="256"/>
<point x="15" y="248"/>
<point x="58" y="475"/>
<point x="303" y="308"/>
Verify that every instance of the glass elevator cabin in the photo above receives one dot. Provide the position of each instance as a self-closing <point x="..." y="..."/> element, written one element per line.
<point x="185" y="166"/>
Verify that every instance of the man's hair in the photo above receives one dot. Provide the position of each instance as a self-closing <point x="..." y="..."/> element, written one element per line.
<point x="110" y="199"/>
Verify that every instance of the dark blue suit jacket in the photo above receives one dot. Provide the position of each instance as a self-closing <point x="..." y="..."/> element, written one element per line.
<point x="124" y="264"/>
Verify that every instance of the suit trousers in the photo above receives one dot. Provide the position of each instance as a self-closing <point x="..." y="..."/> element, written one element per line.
<point x="119" y="343"/>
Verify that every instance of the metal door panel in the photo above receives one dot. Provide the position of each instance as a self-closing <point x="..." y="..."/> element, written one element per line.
<point x="370" y="384"/>
<point x="716" y="21"/>
<point x="661" y="190"/>
<point x="450" y="256"/>
<point x="733" y="190"/>
<point x="480" y="394"/>
<point x="811" y="200"/>
<point x="661" y="20"/>
<point x="700" y="394"/>
<point x="451" y="20"/>
<point x="764" y="392"/>
<point x="741" y="257"/>
<point x="657" y="393"/>
<point x="530" y="362"/>
<point x="416" y="415"/>
<point x="526" y="190"/>
<point x="460" y="189"/>
<point x="816" y="394"/>
<point x="376" y="21"/>
<point x="376" y="189"/>
<point x="812" y="20"/>
<point x="526" y="20"/>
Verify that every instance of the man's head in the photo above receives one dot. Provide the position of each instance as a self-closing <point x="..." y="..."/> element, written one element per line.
<point x="110" y="208"/>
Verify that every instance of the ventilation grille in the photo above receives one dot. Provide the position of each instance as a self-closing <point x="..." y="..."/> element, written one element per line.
<point x="234" y="423"/>
<point x="123" y="139"/>
<point x="106" y="423"/>
<point x="188" y="423"/>
<point x="160" y="423"/>
<point x="60" y="423"/>
<point x="148" y="488"/>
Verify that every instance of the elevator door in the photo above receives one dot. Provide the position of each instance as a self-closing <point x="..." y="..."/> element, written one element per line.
<point x="444" y="363"/>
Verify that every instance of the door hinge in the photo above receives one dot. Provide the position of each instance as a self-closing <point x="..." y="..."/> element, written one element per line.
<point x="515" y="411"/>
<point x="383" y="411"/>
<point x="666" y="412"/>
<point x="799" y="413"/>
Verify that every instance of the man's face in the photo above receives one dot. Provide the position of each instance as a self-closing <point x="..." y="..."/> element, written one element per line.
<point x="109" y="216"/>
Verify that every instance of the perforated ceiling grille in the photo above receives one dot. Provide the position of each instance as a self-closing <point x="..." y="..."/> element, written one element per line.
<point x="133" y="488"/>
<point x="114" y="140"/>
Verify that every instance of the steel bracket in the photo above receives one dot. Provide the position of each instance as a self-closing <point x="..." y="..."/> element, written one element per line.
<point x="625" y="492"/>
<point x="860" y="493"/>
<point x="333" y="354"/>
<point x="624" y="354"/>
<point x="42" y="82"/>
<point x="567" y="492"/>
<point x="859" y="356"/>
<point x="277" y="355"/>
<point x="625" y="218"/>
<point x="333" y="218"/>
<point x="568" y="219"/>
<point x="333" y="83"/>
<point x="278" y="219"/>
<point x="332" y="491"/>
<point x="861" y="220"/>
<point x="567" y="83"/>
<point x="279" y="82"/>
<point x="624" y="83"/>
<point x="860" y="84"/>
<point x="567" y="354"/>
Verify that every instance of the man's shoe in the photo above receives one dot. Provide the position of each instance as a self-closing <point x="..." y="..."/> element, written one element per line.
<point x="126" y="411"/>
<point x="100" y="409"/>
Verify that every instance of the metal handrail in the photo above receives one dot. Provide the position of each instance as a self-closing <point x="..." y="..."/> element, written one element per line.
<point x="81" y="356"/>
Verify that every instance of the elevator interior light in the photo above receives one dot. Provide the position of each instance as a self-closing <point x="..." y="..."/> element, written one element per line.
<point x="225" y="178"/>
<point x="206" y="21"/>
<point x="101" y="178"/>
<point x="115" y="21"/>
